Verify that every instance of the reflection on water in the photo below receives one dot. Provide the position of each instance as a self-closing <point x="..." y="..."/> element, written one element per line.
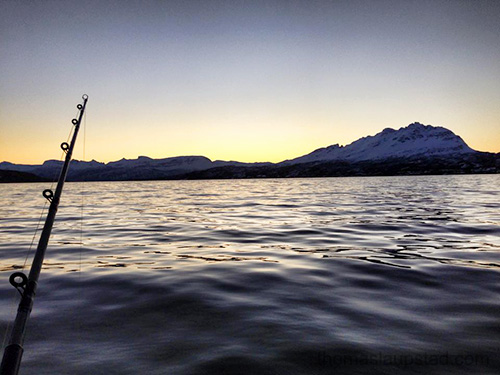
<point x="292" y="276"/>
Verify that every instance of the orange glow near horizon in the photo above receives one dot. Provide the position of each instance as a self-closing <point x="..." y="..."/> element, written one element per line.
<point x="244" y="82"/>
<point x="244" y="145"/>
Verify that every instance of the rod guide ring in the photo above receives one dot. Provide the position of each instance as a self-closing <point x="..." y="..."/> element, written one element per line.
<point x="14" y="280"/>
<point x="64" y="147"/>
<point x="48" y="194"/>
<point x="85" y="96"/>
<point x="74" y="121"/>
<point x="79" y="106"/>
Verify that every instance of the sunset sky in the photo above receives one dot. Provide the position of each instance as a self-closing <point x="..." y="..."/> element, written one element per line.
<point x="243" y="80"/>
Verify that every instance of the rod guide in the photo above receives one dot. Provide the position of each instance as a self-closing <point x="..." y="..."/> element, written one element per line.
<point x="65" y="147"/>
<point x="48" y="194"/>
<point x="18" y="280"/>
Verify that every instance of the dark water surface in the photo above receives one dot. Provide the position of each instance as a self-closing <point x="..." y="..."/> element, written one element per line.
<point x="382" y="275"/>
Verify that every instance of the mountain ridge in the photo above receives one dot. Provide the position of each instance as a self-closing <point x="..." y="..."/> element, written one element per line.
<point x="407" y="144"/>
<point x="414" y="140"/>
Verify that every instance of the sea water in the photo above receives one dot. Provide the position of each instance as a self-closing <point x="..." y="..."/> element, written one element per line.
<point x="378" y="275"/>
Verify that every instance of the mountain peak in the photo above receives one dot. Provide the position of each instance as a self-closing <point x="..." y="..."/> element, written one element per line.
<point x="415" y="139"/>
<point x="392" y="146"/>
<point x="388" y="130"/>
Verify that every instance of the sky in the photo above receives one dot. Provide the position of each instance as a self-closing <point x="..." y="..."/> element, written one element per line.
<point x="252" y="81"/>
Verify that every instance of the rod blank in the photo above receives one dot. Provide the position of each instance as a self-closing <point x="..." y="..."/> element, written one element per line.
<point x="13" y="353"/>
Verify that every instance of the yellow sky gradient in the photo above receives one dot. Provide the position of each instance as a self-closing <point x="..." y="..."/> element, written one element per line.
<point x="274" y="139"/>
<point x="248" y="82"/>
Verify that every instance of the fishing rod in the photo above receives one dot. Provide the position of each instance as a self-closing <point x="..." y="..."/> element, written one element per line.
<point x="27" y="285"/>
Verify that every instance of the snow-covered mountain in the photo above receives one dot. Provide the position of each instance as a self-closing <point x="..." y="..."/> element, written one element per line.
<point x="411" y="141"/>
<point x="414" y="142"/>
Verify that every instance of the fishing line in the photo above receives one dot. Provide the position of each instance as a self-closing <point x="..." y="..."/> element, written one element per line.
<point x="53" y="181"/>
<point x="30" y="248"/>
<point x="14" y="350"/>
<point x="34" y="235"/>
<point x="9" y="324"/>
<point x="79" y="315"/>
<point x="14" y="294"/>
<point x="82" y="192"/>
<point x="55" y="176"/>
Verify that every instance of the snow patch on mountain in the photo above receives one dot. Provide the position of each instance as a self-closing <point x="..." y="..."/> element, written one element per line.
<point x="415" y="140"/>
<point x="411" y="141"/>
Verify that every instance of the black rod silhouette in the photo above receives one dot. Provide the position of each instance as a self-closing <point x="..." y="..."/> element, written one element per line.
<point x="27" y="286"/>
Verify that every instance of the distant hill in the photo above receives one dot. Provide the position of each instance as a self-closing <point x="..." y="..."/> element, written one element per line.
<point x="142" y="168"/>
<point x="415" y="149"/>
<point x="16" y="176"/>
<point x="475" y="163"/>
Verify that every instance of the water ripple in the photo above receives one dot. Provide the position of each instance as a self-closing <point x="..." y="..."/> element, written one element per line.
<point x="260" y="276"/>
